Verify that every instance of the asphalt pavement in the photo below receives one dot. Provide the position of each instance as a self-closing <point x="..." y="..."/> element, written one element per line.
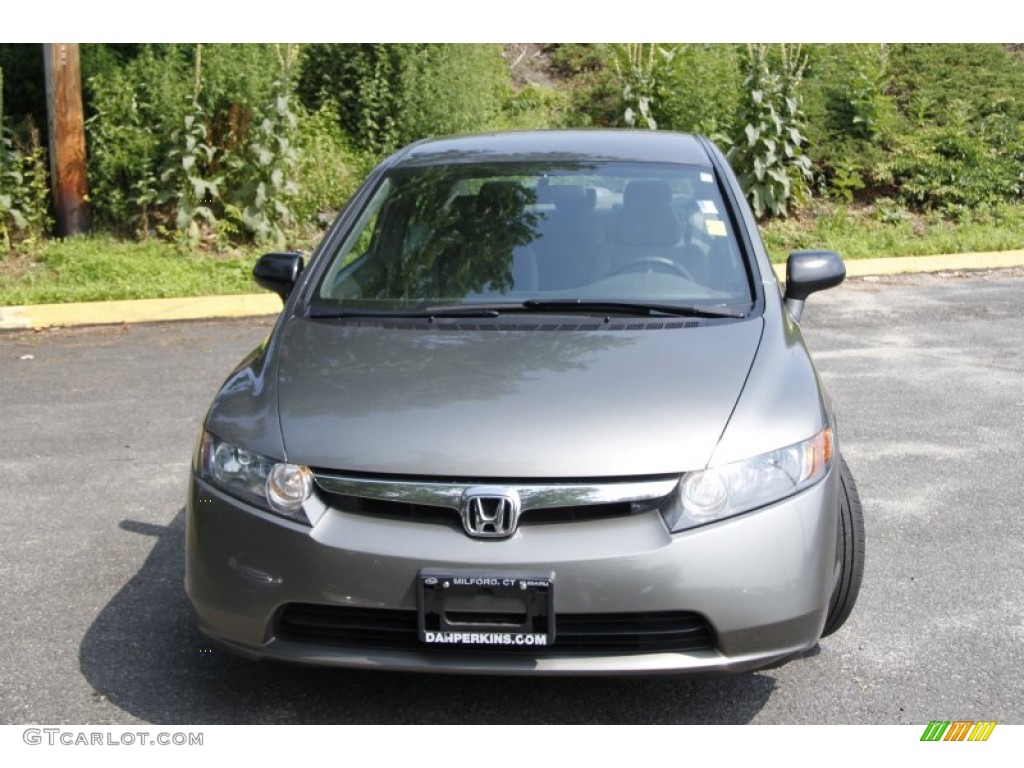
<point x="97" y="426"/>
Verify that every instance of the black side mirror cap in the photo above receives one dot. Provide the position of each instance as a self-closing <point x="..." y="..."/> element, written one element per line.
<point x="278" y="272"/>
<point x="808" y="272"/>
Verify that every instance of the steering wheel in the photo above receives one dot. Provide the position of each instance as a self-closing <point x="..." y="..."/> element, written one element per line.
<point x="653" y="263"/>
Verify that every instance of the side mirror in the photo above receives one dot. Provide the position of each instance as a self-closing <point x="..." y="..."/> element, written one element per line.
<point x="278" y="272"/>
<point x="810" y="271"/>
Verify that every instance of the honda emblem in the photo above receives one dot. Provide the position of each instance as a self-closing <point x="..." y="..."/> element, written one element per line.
<point x="490" y="513"/>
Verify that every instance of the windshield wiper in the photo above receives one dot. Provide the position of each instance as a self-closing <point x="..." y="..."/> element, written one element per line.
<point x="632" y="307"/>
<point x="533" y="305"/>
<point x="429" y="312"/>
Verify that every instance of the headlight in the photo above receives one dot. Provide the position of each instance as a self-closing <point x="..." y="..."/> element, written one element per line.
<point x="719" y="492"/>
<point x="276" y="486"/>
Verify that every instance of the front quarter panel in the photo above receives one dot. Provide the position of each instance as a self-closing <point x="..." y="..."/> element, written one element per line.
<point x="245" y="410"/>
<point x="782" y="401"/>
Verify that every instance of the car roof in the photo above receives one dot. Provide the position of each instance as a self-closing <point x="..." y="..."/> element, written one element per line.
<point x="531" y="146"/>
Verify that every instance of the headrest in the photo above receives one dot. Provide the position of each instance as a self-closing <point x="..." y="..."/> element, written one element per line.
<point x="647" y="217"/>
<point x="647" y="192"/>
<point x="571" y="198"/>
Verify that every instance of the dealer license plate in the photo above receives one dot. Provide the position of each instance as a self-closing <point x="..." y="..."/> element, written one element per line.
<point x="500" y="609"/>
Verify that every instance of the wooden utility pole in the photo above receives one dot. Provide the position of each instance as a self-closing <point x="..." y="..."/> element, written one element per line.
<point x="67" y="137"/>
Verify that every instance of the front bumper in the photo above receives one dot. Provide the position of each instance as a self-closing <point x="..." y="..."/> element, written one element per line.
<point x="762" y="581"/>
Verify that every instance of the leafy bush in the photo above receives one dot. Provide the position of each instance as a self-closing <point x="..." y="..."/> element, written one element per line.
<point x="24" y="183"/>
<point x="845" y="91"/>
<point x="768" y="152"/>
<point x="197" y="141"/>
<point x="390" y="94"/>
<point x="187" y="179"/>
<point x="635" y="66"/>
<point x="960" y="165"/>
<point x="587" y="73"/>
<point x="851" y="120"/>
<point x="359" y="80"/>
<point x="264" y="200"/>
<point x="328" y="169"/>
<point x="927" y="80"/>
<point x="23" y="91"/>
<point x="698" y="88"/>
<point x="450" y="89"/>
<point x="535" y="106"/>
<point x="134" y="112"/>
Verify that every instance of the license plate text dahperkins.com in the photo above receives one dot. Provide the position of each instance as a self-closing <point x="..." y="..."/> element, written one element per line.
<point x="486" y="638"/>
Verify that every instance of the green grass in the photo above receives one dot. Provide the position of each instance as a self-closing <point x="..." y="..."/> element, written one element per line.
<point x="866" y="233"/>
<point x="99" y="268"/>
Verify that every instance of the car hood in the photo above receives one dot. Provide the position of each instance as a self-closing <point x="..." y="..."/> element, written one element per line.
<point x="509" y="403"/>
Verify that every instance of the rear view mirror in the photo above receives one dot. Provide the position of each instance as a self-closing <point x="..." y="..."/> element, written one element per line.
<point x="810" y="271"/>
<point x="278" y="272"/>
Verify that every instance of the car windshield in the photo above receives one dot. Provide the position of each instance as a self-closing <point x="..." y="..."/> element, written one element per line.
<point x="525" y="234"/>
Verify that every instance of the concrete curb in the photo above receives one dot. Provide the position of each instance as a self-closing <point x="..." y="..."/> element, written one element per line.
<point x="34" y="316"/>
<point x="138" y="311"/>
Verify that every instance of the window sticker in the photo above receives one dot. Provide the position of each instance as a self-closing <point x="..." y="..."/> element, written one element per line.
<point x="708" y="206"/>
<point x="707" y="178"/>
<point x="716" y="228"/>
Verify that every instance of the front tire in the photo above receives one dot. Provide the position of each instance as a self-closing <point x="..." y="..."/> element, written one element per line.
<point x="851" y="552"/>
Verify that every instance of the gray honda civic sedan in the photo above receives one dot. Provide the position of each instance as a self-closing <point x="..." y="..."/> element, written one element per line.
<point x="536" y="405"/>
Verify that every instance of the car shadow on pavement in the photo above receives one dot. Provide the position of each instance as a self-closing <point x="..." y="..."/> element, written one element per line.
<point x="144" y="655"/>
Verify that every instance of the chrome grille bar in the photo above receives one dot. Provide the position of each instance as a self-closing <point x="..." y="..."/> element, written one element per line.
<point x="533" y="496"/>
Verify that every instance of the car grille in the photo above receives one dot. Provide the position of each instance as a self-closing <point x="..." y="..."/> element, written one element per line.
<point x="439" y="503"/>
<point x="575" y="633"/>
<point x="424" y="513"/>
